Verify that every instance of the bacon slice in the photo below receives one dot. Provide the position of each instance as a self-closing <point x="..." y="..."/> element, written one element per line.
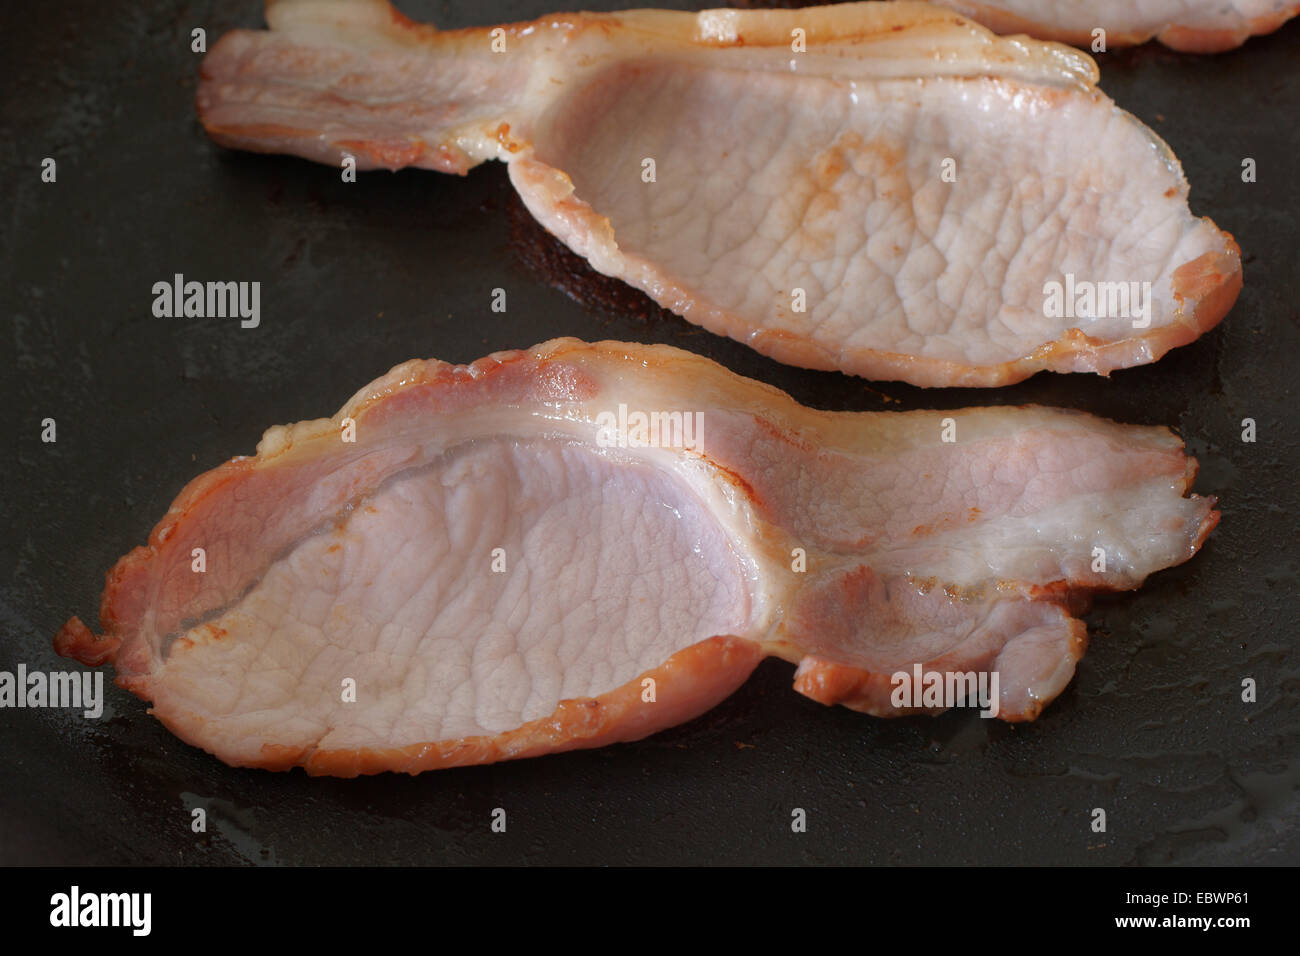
<point x="499" y="564"/>
<point x="893" y="201"/>
<point x="1193" y="26"/>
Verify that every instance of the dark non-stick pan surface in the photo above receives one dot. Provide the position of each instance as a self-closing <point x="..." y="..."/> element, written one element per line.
<point x="358" y="277"/>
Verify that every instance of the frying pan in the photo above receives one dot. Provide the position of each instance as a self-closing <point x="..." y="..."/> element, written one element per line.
<point x="358" y="277"/>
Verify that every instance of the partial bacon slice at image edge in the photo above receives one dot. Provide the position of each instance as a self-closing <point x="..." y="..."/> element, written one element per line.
<point x="639" y="584"/>
<point x="1216" y="26"/>
<point x="799" y="202"/>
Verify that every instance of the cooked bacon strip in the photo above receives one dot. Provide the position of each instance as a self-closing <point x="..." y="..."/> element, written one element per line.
<point x="1193" y="26"/>
<point x="802" y="202"/>
<point x="856" y="545"/>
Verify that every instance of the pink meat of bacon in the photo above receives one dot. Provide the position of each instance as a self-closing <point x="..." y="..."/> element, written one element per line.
<point x="1193" y="26"/>
<point x="892" y="199"/>
<point x="499" y="560"/>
